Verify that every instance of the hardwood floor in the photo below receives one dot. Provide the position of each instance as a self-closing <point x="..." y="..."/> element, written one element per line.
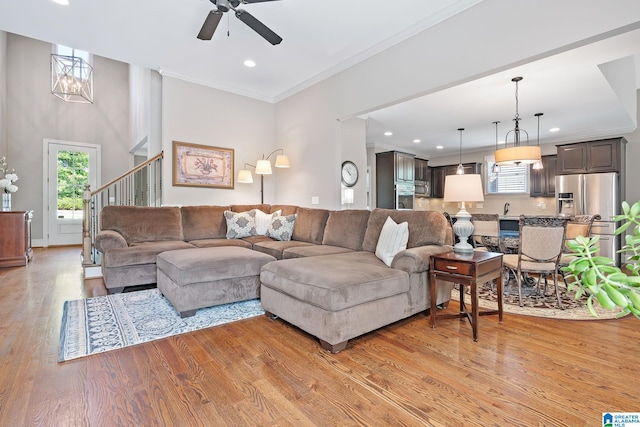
<point x="526" y="371"/>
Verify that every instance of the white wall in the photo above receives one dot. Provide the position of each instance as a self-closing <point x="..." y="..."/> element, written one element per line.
<point x="352" y="134"/>
<point x="206" y="116"/>
<point x="33" y="114"/>
<point x="420" y="65"/>
<point x="4" y="143"/>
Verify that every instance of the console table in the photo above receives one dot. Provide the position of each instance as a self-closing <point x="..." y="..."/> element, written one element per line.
<point x="466" y="269"/>
<point x="15" y="238"/>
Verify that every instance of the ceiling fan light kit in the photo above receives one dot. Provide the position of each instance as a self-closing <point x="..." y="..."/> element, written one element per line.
<point x="222" y="6"/>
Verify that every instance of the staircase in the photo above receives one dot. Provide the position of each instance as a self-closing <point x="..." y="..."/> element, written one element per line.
<point x="141" y="186"/>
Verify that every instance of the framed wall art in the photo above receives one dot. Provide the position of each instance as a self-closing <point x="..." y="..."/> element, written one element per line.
<point x="202" y="165"/>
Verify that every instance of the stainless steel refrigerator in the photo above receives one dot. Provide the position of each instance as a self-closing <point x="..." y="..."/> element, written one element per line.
<point x="590" y="194"/>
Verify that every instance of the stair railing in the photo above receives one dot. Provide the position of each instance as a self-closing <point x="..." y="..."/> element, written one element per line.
<point x="141" y="186"/>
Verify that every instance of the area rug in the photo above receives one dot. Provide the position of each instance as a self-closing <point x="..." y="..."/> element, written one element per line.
<point x="536" y="302"/>
<point x="99" y="324"/>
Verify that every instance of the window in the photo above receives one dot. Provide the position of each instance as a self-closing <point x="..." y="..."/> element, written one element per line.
<point x="510" y="179"/>
<point x="78" y="72"/>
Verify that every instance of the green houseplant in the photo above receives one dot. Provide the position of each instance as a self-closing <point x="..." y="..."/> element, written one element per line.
<point x="598" y="276"/>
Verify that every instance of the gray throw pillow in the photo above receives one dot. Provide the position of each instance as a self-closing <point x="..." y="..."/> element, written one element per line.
<point x="240" y="224"/>
<point x="281" y="227"/>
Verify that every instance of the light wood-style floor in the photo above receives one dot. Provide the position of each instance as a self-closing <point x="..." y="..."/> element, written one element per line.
<point x="526" y="371"/>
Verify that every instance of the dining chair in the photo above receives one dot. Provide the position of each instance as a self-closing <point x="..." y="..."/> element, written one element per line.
<point x="579" y="225"/>
<point x="486" y="232"/>
<point x="542" y="241"/>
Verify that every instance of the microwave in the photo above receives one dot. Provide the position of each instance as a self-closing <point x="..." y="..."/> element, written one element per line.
<point x="422" y="189"/>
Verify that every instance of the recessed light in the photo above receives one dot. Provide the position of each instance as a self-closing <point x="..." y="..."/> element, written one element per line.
<point x="249" y="63"/>
<point x="554" y="129"/>
<point x="62" y="2"/>
<point x="387" y="133"/>
<point x="416" y="141"/>
<point x="439" y="147"/>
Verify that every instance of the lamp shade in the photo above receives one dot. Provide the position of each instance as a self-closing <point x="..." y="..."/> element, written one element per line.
<point x="263" y="167"/>
<point x="463" y="188"/>
<point x="244" y="176"/>
<point x="282" y="161"/>
<point x="521" y="154"/>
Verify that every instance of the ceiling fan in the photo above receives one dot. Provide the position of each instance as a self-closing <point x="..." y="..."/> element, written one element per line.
<point x="222" y="6"/>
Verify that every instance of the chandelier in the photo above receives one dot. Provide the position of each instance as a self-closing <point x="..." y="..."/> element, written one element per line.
<point x="71" y="78"/>
<point x="517" y="153"/>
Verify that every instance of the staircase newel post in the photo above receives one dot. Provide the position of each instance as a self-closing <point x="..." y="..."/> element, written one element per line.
<point x="86" y="225"/>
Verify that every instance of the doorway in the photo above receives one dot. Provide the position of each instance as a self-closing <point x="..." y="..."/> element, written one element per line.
<point x="70" y="166"/>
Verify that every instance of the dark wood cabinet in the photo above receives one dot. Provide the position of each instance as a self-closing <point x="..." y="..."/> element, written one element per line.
<point x="15" y="238"/>
<point x="422" y="170"/>
<point x="542" y="182"/>
<point x="439" y="173"/>
<point x="605" y="155"/>
<point x="392" y="168"/>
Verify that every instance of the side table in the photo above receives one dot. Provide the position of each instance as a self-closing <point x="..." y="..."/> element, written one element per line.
<point x="466" y="269"/>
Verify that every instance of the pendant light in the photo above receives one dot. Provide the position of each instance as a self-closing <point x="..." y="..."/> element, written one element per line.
<point x="496" y="167"/>
<point x="517" y="154"/>
<point x="538" y="165"/>
<point x="460" y="169"/>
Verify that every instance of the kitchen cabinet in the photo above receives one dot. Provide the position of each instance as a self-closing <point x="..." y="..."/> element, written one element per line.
<point x="393" y="169"/>
<point x="605" y="155"/>
<point x="439" y="173"/>
<point x="422" y="170"/>
<point x="15" y="238"/>
<point x="542" y="182"/>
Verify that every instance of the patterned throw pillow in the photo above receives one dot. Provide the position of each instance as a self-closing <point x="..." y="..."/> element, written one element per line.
<point x="393" y="239"/>
<point x="240" y="224"/>
<point x="281" y="227"/>
<point x="263" y="221"/>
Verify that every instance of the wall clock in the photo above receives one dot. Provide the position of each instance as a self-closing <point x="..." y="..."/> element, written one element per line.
<point x="349" y="173"/>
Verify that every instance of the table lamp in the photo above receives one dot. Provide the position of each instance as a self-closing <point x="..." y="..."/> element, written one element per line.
<point x="463" y="188"/>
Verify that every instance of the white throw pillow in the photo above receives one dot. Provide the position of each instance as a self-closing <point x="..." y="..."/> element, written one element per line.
<point x="393" y="239"/>
<point x="281" y="227"/>
<point x="263" y="221"/>
<point x="240" y="224"/>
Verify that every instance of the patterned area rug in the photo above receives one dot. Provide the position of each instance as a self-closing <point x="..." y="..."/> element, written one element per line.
<point x="536" y="301"/>
<point x="99" y="324"/>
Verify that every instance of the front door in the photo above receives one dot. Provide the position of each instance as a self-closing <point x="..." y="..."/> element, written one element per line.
<point x="71" y="166"/>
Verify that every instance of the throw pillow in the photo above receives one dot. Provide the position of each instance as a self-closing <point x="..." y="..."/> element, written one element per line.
<point x="263" y="220"/>
<point x="281" y="227"/>
<point x="240" y="224"/>
<point x="393" y="239"/>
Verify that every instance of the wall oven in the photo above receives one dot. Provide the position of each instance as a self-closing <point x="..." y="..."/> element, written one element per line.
<point x="405" y="196"/>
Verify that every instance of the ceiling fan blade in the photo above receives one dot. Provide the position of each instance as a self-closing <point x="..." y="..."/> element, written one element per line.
<point x="258" y="27"/>
<point x="210" y="25"/>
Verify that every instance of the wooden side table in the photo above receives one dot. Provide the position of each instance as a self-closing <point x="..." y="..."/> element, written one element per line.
<point x="15" y="238"/>
<point x="466" y="269"/>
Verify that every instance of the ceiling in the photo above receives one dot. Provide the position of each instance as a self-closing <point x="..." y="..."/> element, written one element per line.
<point x="321" y="38"/>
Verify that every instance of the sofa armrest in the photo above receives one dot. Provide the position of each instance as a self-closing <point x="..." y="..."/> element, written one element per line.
<point x="416" y="260"/>
<point x="109" y="239"/>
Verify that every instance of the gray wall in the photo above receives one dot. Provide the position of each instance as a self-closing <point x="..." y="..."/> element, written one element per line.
<point x="33" y="114"/>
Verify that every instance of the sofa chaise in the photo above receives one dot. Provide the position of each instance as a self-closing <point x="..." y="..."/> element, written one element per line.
<point x="325" y="278"/>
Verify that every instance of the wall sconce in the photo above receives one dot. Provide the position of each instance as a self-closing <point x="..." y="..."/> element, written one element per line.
<point x="263" y="167"/>
<point x="347" y="196"/>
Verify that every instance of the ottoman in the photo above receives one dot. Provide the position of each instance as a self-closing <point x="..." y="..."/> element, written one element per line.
<point x="203" y="277"/>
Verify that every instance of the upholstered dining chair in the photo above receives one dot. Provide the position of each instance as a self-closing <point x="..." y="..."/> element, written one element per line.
<point x="579" y="225"/>
<point x="542" y="241"/>
<point x="486" y="232"/>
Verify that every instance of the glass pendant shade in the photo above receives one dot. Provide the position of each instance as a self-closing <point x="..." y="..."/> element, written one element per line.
<point x="460" y="169"/>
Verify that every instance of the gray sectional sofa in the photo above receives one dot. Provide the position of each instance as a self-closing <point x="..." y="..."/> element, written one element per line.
<point x="326" y="279"/>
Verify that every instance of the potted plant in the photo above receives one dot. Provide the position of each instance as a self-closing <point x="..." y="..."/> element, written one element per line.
<point x="598" y="277"/>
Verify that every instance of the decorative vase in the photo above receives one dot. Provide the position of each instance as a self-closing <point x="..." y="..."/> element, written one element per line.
<point x="6" y="201"/>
